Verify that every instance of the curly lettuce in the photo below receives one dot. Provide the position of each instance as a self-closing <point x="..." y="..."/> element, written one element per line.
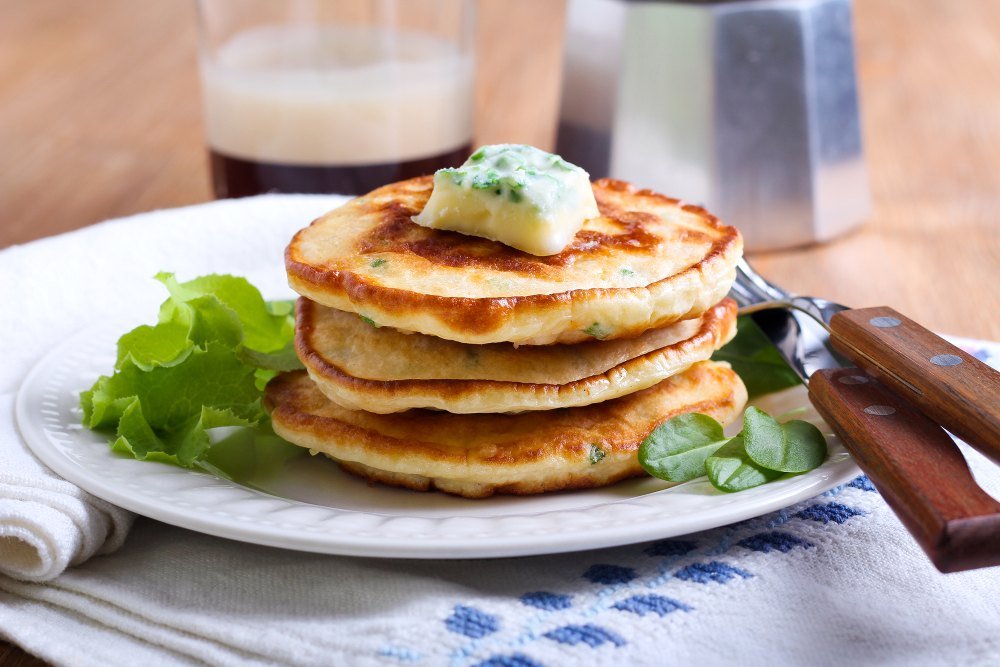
<point x="202" y="366"/>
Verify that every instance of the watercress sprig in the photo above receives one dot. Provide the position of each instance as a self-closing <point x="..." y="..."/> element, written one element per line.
<point x="692" y="445"/>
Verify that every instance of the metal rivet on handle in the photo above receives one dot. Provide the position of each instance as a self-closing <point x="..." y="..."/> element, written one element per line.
<point x="852" y="379"/>
<point x="884" y="322"/>
<point x="946" y="360"/>
<point x="880" y="410"/>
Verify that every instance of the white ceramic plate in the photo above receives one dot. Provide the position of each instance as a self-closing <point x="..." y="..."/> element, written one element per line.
<point x="310" y="505"/>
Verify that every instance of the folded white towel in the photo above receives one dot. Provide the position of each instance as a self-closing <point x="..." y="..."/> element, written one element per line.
<point x="46" y="523"/>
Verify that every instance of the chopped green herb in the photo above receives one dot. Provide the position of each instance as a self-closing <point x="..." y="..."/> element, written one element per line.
<point x="487" y="180"/>
<point x="369" y="321"/>
<point x="627" y="272"/>
<point x="596" y="453"/>
<point x="375" y="263"/>
<point x="676" y="450"/>
<point x="516" y="181"/>
<point x="478" y="155"/>
<point x="597" y="330"/>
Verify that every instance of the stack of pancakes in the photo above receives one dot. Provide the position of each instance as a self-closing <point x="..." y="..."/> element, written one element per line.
<point x="439" y="360"/>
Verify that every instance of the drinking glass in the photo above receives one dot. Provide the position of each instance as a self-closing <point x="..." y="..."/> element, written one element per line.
<point x="334" y="95"/>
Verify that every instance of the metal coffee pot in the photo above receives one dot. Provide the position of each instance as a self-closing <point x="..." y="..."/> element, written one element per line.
<point x="748" y="107"/>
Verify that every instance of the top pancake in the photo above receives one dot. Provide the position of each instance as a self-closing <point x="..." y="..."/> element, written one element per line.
<point x="646" y="262"/>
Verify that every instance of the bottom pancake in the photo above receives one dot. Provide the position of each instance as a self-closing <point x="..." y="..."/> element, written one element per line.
<point x="477" y="455"/>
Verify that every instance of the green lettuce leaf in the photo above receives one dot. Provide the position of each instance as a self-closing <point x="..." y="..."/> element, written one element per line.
<point x="202" y="366"/>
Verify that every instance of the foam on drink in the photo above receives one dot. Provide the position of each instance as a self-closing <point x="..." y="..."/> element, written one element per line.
<point x="336" y="96"/>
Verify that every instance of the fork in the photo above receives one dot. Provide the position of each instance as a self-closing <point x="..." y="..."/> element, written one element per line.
<point x="893" y="431"/>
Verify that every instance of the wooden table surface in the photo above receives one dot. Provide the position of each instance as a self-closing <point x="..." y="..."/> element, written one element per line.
<point x="100" y="117"/>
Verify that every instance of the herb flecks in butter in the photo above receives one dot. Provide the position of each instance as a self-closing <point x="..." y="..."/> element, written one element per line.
<point x="518" y="195"/>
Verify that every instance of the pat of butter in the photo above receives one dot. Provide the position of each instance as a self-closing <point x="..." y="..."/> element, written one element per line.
<point x="518" y="195"/>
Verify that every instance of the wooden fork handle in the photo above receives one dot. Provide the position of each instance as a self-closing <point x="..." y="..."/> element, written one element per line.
<point x="945" y="383"/>
<point x="916" y="466"/>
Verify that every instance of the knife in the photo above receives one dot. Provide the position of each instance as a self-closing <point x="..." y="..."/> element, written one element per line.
<point x="887" y="412"/>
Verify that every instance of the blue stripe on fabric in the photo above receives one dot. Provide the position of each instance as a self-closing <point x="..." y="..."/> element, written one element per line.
<point x="774" y="541"/>
<point x="650" y="604"/>
<point x="547" y="601"/>
<point x="510" y="660"/>
<point x="714" y="571"/>
<point x="827" y="512"/>
<point x="589" y="634"/>
<point x="603" y="573"/>
<point x="471" y="622"/>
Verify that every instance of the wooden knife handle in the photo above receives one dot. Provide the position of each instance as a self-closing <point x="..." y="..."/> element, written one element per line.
<point x="945" y="383"/>
<point x="916" y="466"/>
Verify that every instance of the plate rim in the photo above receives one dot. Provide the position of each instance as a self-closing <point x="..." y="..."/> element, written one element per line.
<point x="368" y="542"/>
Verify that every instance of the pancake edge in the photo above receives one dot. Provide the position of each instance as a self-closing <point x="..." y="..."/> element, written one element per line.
<point x="717" y="328"/>
<point x="524" y="475"/>
<point x="522" y="319"/>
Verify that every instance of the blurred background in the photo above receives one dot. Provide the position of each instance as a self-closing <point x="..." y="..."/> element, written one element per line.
<point x="101" y="117"/>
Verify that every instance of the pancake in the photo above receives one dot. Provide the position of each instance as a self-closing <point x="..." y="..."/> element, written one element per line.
<point x="647" y="262"/>
<point x="383" y="370"/>
<point x="478" y="455"/>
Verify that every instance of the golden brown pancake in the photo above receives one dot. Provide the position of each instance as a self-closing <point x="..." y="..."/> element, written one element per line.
<point x="383" y="370"/>
<point x="478" y="455"/>
<point x="648" y="261"/>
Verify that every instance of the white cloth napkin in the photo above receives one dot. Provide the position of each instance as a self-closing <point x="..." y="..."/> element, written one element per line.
<point x="833" y="580"/>
<point x="46" y="523"/>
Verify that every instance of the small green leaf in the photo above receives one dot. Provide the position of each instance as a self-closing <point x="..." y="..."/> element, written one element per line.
<point x="596" y="453"/>
<point x="377" y="262"/>
<point x="369" y="321"/>
<point x="762" y="434"/>
<point x="627" y="272"/>
<point x="756" y="360"/>
<point x="676" y="450"/>
<point x="730" y="469"/>
<point x="597" y="330"/>
<point x="795" y="446"/>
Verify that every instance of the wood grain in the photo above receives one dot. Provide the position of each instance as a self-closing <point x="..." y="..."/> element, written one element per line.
<point x="945" y="383"/>
<point x="101" y="118"/>
<point x="916" y="466"/>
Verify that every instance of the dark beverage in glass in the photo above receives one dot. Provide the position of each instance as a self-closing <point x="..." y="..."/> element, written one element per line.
<point x="337" y="103"/>
<point x="236" y="177"/>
